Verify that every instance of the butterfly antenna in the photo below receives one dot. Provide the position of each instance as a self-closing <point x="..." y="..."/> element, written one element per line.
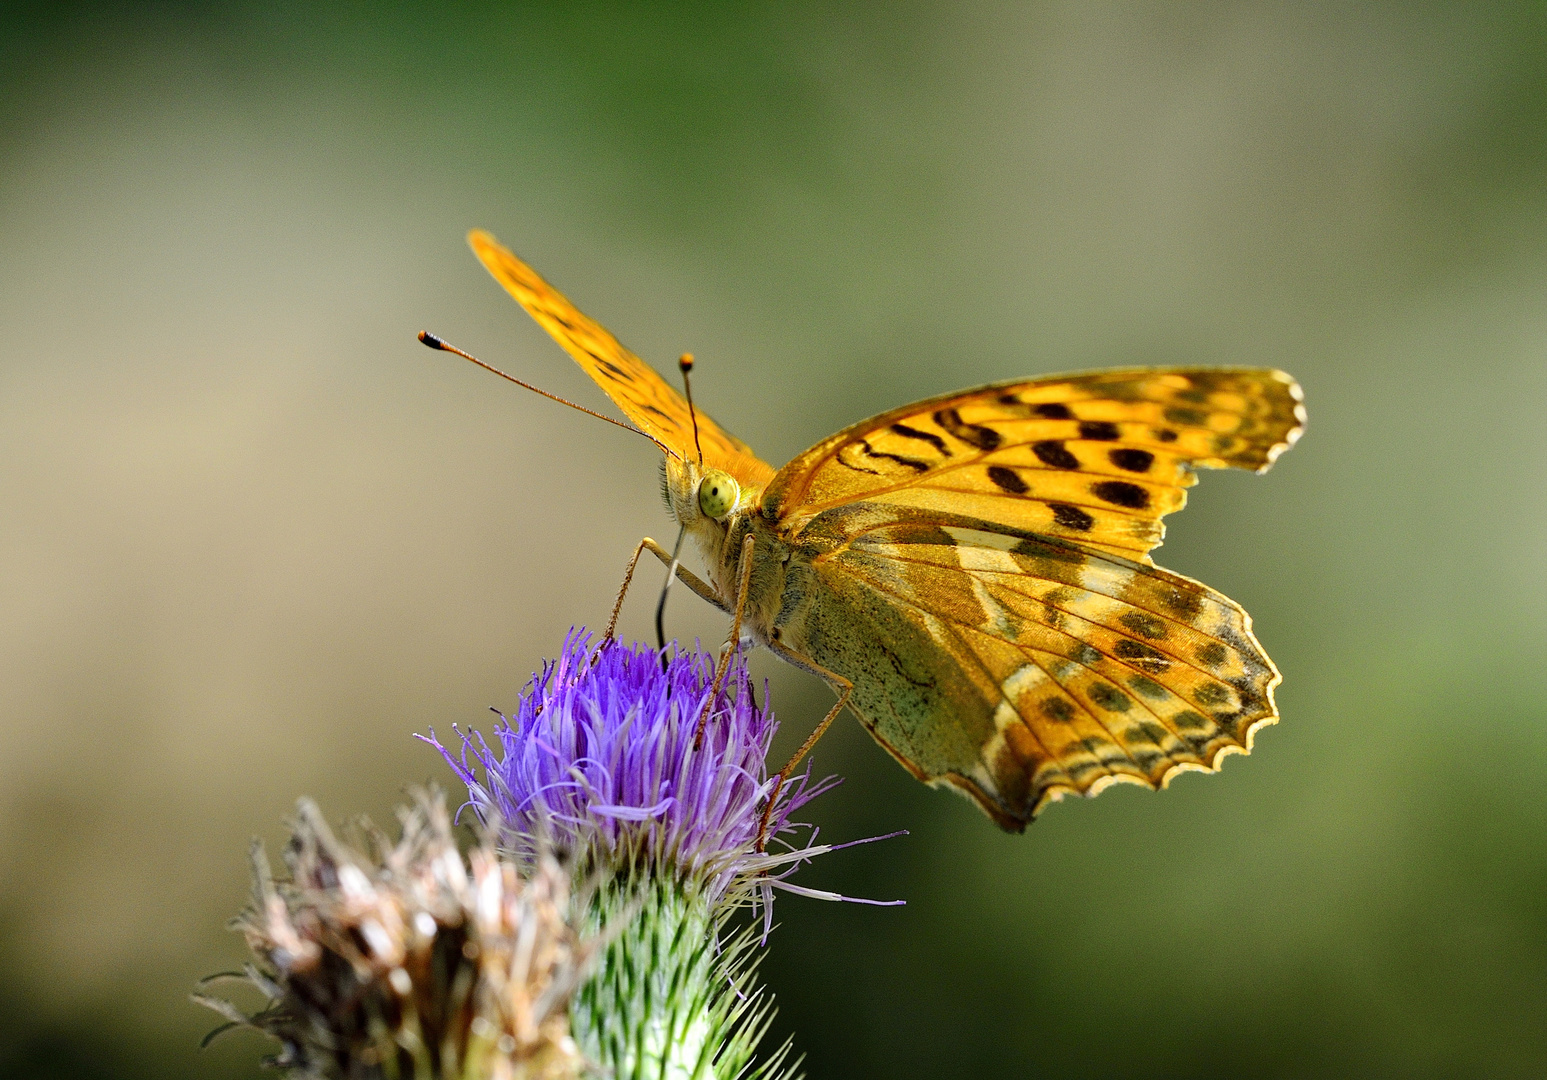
<point x="685" y="365"/>
<point x="435" y="342"/>
<point x="660" y="607"/>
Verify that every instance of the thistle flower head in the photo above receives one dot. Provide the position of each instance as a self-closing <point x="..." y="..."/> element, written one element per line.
<point x="619" y="771"/>
<point x="402" y="959"/>
<point x="601" y="761"/>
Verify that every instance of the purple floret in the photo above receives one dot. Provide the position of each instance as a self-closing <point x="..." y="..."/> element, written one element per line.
<point x="599" y="762"/>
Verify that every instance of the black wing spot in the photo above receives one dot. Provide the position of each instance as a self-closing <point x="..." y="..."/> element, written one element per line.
<point x="984" y="438"/>
<point x="913" y="463"/>
<point x="1008" y="479"/>
<point x="1244" y="690"/>
<point x="1122" y="493"/>
<point x="1056" y="708"/>
<point x="1165" y="435"/>
<point x="1144" y="624"/>
<point x="1142" y="656"/>
<point x="1148" y="687"/>
<point x="1109" y="697"/>
<point x="1182" y="601"/>
<point x="914" y="433"/>
<point x="1211" y="694"/>
<point x="1052" y="411"/>
<point x="1055" y="453"/>
<point x="1132" y="460"/>
<point x="1153" y="732"/>
<point x="1072" y="517"/>
<point x="1098" y="430"/>
<point x="617" y="372"/>
<point x="1212" y="654"/>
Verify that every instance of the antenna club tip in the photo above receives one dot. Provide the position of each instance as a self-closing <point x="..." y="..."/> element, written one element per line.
<point x="685" y="362"/>
<point x="433" y="341"/>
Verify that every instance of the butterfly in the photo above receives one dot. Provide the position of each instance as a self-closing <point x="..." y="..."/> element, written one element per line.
<point x="971" y="573"/>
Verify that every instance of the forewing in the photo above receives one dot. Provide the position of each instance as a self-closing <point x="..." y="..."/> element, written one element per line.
<point x="648" y="400"/>
<point x="1098" y="458"/>
<point x="1071" y="669"/>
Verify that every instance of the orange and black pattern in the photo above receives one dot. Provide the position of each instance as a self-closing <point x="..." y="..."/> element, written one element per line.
<point x="1096" y="459"/>
<point x="648" y="400"/>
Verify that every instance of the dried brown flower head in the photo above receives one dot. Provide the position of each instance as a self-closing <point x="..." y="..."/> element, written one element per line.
<point x="406" y="961"/>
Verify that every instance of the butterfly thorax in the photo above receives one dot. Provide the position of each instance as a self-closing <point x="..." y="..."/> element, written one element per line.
<point x="719" y="540"/>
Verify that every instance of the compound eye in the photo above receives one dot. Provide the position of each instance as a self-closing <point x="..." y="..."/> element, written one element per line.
<point x="718" y="493"/>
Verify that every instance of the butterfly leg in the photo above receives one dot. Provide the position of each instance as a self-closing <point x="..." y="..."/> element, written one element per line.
<point x="844" y="688"/>
<point x="702" y="588"/>
<point x="686" y="576"/>
<point x="628" y="576"/>
<point x="722" y="663"/>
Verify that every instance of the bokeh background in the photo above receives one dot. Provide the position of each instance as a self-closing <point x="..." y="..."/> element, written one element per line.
<point x="253" y="536"/>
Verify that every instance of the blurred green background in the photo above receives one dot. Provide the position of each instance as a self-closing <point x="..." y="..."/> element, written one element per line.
<point x="252" y="535"/>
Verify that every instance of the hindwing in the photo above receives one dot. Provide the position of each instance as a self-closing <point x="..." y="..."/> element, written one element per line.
<point x="1071" y="668"/>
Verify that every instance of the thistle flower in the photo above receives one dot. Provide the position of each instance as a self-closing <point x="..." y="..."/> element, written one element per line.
<point x="402" y="960"/>
<point x="602" y="761"/>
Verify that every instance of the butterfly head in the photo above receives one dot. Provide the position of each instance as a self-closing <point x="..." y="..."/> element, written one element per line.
<point x="706" y="501"/>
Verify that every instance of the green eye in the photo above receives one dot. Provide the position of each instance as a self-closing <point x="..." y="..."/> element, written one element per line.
<point x="718" y="493"/>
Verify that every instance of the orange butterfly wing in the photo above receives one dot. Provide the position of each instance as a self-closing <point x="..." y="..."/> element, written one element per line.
<point x="1097" y="459"/>
<point x="634" y="386"/>
<point x="996" y="541"/>
<point x="1069" y="669"/>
